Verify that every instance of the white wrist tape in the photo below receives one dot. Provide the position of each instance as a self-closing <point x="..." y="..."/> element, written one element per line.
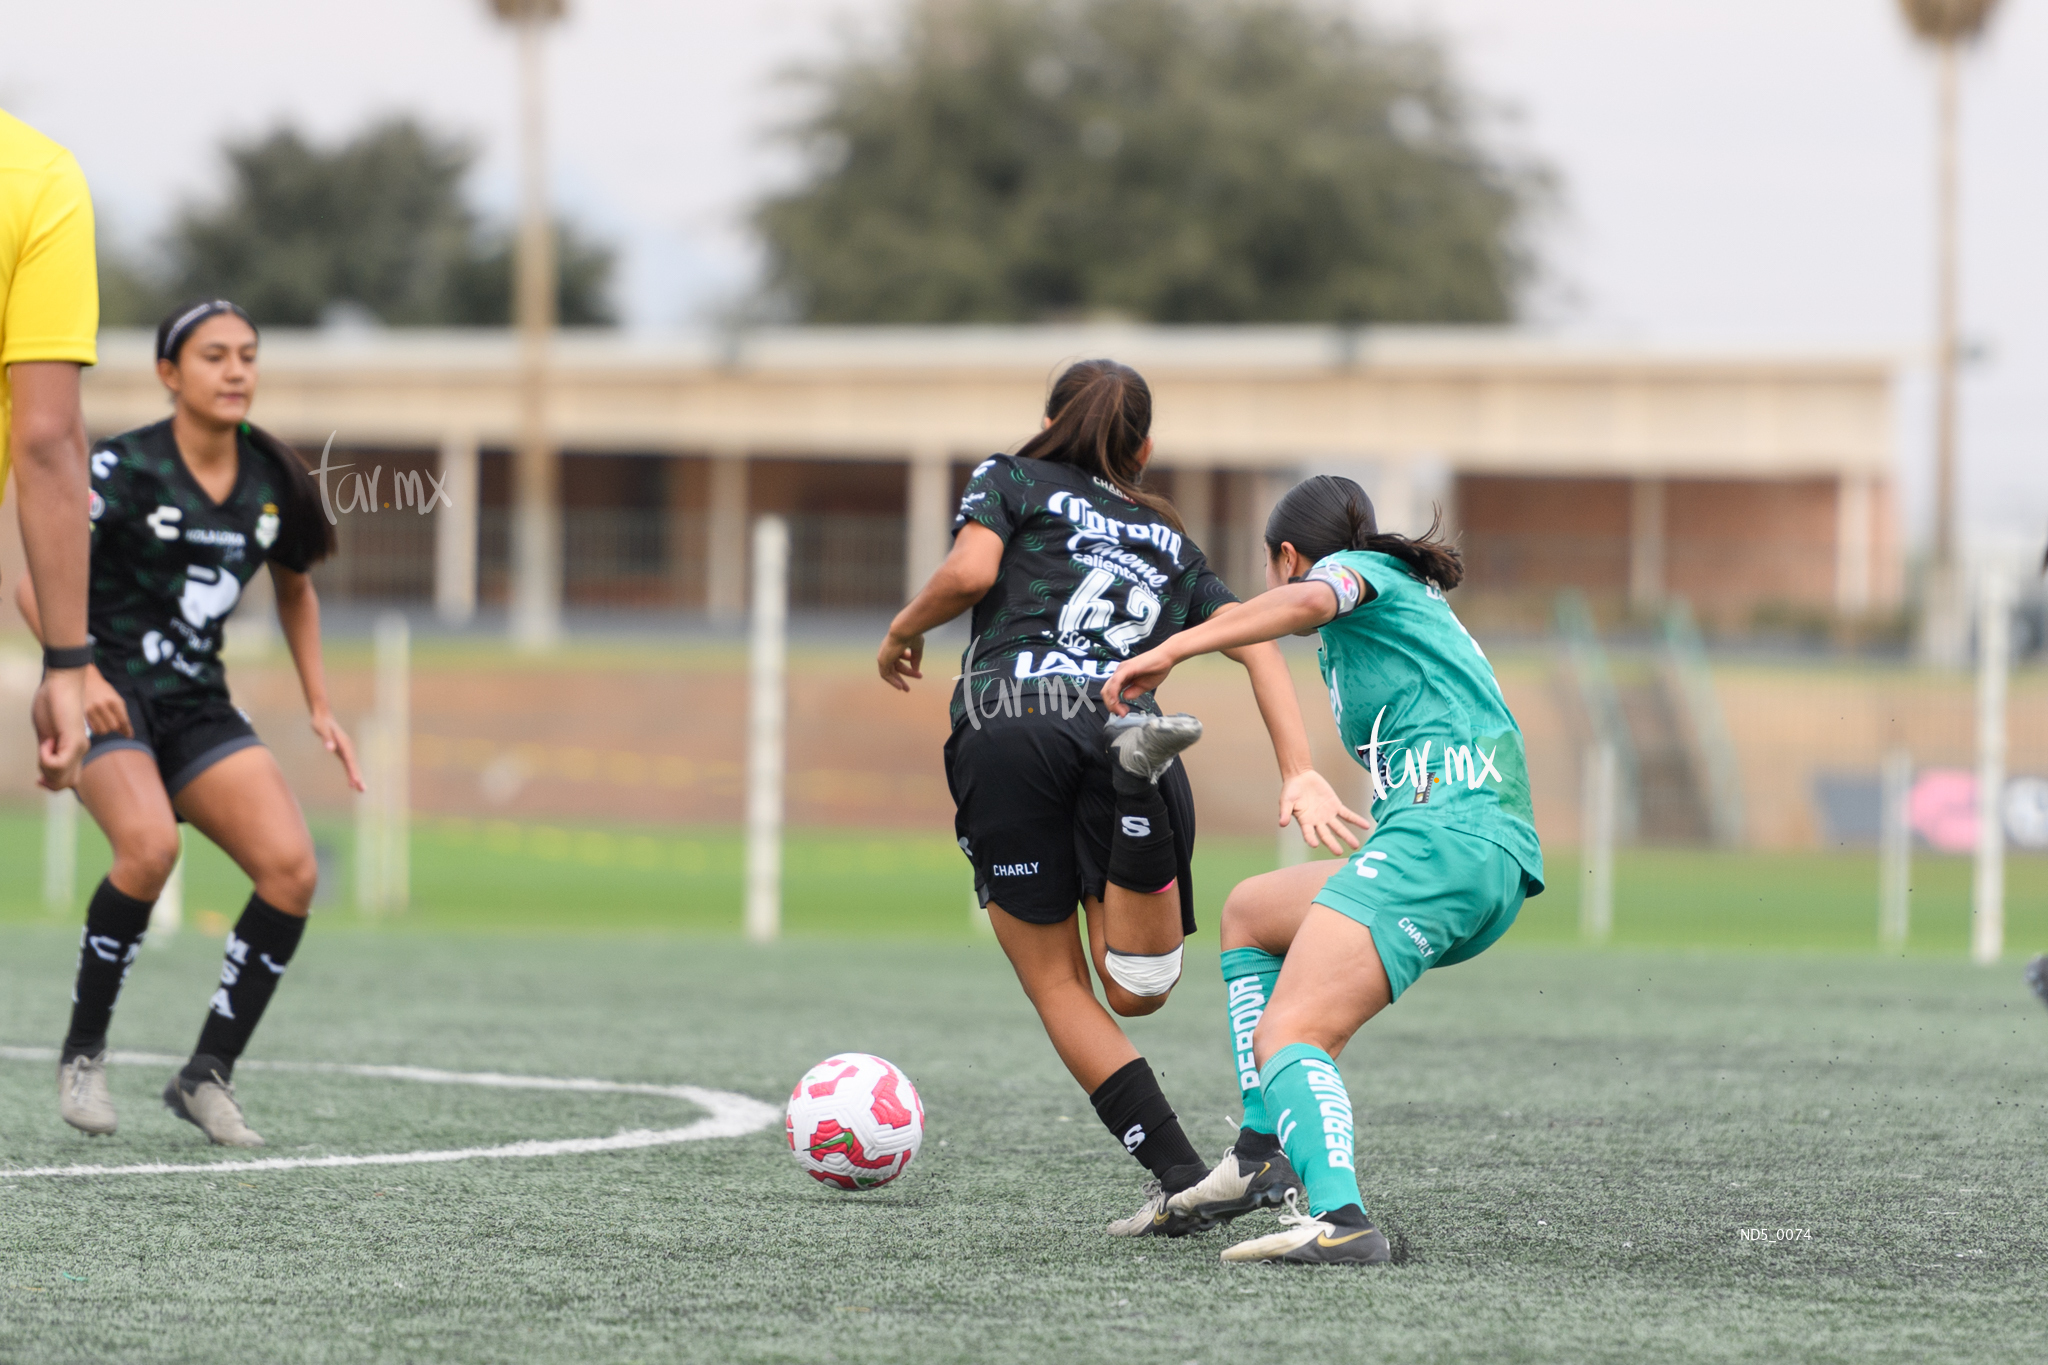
<point x="1144" y="975"/>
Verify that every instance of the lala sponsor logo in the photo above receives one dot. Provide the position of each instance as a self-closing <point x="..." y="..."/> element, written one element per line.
<point x="1009" y="697"/>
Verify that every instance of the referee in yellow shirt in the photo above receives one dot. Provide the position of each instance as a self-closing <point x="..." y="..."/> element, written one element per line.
<point x="49" y="318"/>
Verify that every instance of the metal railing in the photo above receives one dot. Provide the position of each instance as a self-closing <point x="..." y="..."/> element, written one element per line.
<point x="647" y="557"/>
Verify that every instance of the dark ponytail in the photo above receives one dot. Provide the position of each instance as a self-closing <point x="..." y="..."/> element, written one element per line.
<point x="305" y="535"/>
<point x="1101" y="416"/>
<point x="1326" y="514"/>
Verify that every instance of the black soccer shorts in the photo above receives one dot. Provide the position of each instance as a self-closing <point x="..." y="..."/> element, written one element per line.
<point x="1035" y="806"/>
<point x="185" y="735"/>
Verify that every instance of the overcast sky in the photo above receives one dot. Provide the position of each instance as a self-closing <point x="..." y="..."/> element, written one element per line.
<point x="1751" y="172"/>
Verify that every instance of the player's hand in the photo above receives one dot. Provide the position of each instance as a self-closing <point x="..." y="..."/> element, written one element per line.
<point x="59" y="714"/>
<point x="901" y="657"/>
<point x="1134" y="678"/>
<point x="336" y="741"/>
<point x="1309" y="801"/>
<point x="105" y="711"/>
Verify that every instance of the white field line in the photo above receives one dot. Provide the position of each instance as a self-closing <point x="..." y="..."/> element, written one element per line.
<point x="730" y="1115"/>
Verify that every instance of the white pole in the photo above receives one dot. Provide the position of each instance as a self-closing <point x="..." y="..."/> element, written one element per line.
<point x="394" y="730"/>
<point x="455" y="531"/>
<point x="1894" y="849"/>
<point x="1596" y="835"/>
<point x="168" y="915"/>
<point x="60" y="851"/>
<point x="765" y="718"/>
<point x="1292" y="852"/>
<point x="370" y="818"/>
<point x="1994" y="656"/>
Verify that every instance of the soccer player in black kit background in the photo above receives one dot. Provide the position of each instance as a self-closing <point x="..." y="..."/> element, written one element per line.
<point x="1070" y="566"/>
<point x="184" y="513"/>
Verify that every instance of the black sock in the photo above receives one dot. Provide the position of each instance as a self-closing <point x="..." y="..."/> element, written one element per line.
<point x="1346" y="1216"/>
<point x="114" y="926"/>
<point x="259" y="946"/>
<point x="1252" y="1145"/>
<point x="1136" y="1113"/>
<point x="1142" y="857"/>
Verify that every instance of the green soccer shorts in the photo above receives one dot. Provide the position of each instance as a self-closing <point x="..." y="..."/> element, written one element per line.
<point x="1431" y="896"/>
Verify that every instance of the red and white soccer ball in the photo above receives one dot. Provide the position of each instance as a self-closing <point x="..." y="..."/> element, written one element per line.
<point x="854" y="1121"/>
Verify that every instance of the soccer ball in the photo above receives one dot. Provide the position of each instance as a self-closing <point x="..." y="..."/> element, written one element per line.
<point x="854" y="1121"/>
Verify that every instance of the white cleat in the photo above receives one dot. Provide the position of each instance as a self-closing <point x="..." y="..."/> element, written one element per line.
<point x="1151" y="1219"/>
<point x="1146" y="745"/>
<point x="1237" y="1186"/>
<point x="1310" y="1240"/>
<point x="82" y="1098"/>
<point x="211" y="1107"/>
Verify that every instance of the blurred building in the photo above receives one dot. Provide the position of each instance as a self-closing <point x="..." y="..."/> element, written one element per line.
<point x="1748" y="483"/>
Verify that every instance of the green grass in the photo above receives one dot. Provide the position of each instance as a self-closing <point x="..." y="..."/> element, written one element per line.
<point x="1565" y="1144"/>
<point x="497" y="877"/>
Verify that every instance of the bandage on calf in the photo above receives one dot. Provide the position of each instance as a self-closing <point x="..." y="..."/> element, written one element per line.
<point x="1144" y="974"/>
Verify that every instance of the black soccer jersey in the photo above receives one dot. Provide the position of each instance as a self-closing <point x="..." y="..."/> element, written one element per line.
<point x="1088" y="580"/>
<point x="169" y="563"/>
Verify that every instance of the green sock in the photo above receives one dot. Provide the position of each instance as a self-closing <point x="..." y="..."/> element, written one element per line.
<point x="1248" y="977"/>
<point x="1307" y="1098"/>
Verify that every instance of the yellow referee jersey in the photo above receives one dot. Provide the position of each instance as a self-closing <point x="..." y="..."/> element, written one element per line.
<point x="49" y="286"/>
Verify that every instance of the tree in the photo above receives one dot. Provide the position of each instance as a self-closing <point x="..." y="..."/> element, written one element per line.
<point x="1172" y="160"/>
<point x="378" y="223"/>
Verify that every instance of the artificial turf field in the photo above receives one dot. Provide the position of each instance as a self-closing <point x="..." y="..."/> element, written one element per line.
<point x="1567" y="1146"/>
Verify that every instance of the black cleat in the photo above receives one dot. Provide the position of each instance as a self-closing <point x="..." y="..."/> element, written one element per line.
<point x="2037" y="977"/>
<point x="1341" y="1237"/>
<point x="1238" y="1185"/>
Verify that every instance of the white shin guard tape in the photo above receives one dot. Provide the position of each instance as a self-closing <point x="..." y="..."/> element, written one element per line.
<point x="1141" y="974"/>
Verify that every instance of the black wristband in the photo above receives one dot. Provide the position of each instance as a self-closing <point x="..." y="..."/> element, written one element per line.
<point x="71" y="656"/>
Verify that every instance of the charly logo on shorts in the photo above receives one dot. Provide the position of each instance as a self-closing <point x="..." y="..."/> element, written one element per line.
<point x="1408" y="928"/>
<point x="1014" y="870"/>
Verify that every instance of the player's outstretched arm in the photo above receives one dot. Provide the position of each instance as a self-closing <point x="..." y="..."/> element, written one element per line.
<point x="1306" y="797"/>
<point x="964" y="579"/>
<point x="298" y="615"/>
<point x="1292" y="609"/>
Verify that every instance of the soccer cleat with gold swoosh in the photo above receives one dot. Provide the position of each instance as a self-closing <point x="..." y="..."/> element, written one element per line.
<point x="1254" y="1174"/>
<point x="1340" y="1237"/>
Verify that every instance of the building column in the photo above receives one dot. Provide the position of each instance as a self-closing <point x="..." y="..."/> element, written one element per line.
<point x="1854" y="517"/>
<point x="1394" y="507"/>
<point x="1267" y="487"/>
<point x="725" y="541"/>
<point x="1646" y="549"/>
<point x="455" y="530"/>
<point x="928" y="517"/>
<point x="1194" y="497"/>
<point x="536" y="544"/>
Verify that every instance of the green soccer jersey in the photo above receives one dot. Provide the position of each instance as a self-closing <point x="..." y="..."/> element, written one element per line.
<point x="169" y="563"/>
<point x="1417" y="704"/>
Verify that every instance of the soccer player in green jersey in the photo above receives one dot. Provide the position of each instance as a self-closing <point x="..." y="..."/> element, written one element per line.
<point x="1312" y="952"/>
<point x="184" y="513"/>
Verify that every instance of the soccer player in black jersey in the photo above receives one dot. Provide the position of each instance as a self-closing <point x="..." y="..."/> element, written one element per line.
<point x="184" y="513"/>
<point x="1070" y="567"/>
